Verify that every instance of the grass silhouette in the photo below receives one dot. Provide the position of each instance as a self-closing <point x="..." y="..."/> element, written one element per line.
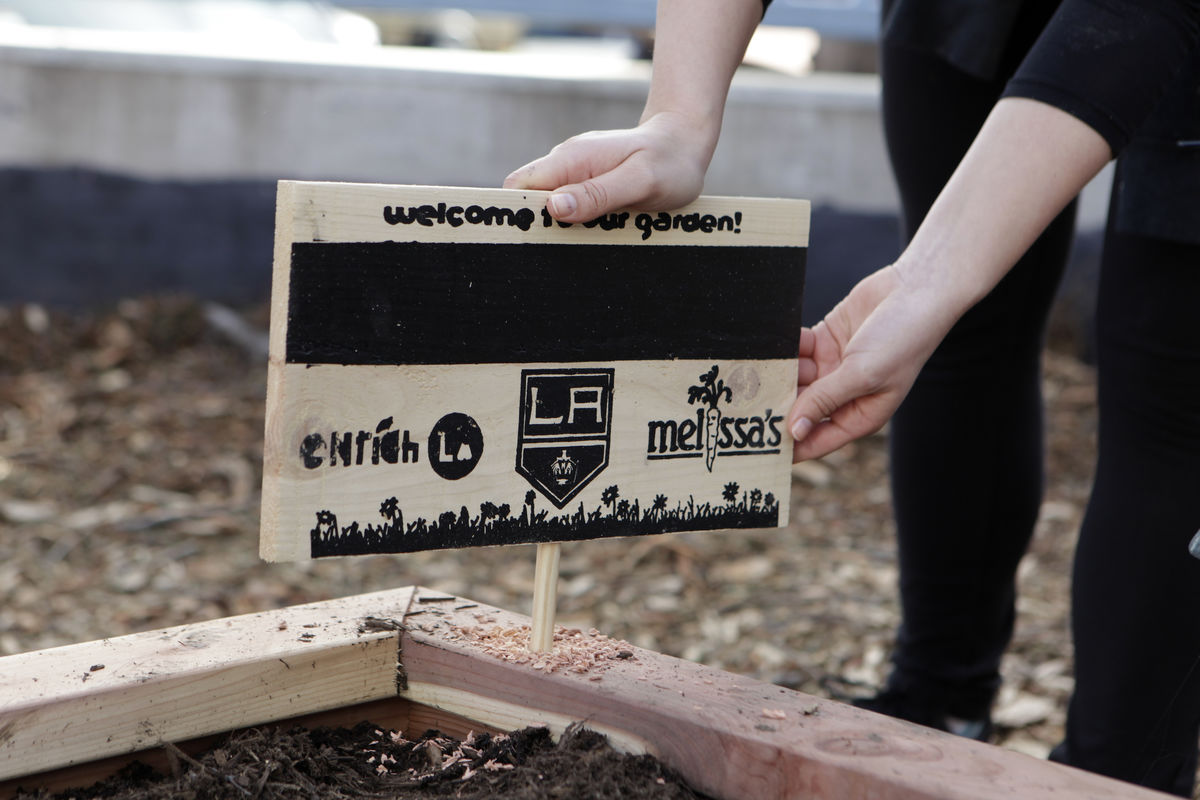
<point x="496" y="524"/>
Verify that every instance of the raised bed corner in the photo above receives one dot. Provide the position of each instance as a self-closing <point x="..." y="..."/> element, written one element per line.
<point x="412" y="659"/>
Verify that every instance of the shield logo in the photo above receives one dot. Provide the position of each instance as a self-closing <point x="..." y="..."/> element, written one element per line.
<point x="564" y="431"/>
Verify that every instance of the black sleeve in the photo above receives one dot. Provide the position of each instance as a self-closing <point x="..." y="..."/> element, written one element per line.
<point x="1108" y="62"/>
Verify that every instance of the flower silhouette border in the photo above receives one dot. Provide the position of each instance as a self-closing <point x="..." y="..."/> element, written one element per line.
<point x="497" y="524"/>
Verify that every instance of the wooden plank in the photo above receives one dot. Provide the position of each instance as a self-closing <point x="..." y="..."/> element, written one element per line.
<point x="450" y="367"/>
<point x="394" y="713"/>
<point x="78" y="703"/>
<point x="731" y="737"/>
<point x="331" y="212"/>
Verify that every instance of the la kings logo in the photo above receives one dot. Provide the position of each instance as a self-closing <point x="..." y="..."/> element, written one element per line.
<point x="564" y="433"/>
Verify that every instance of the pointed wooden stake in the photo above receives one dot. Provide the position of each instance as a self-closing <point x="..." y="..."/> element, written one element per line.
<point x="545" y="597"/>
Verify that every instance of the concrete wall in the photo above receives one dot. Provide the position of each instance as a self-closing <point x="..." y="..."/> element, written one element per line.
<point x="134" y="162"/>
<point x="129" y="105"/>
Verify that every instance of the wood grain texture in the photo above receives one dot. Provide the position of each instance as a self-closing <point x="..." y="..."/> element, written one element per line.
<point x="650" y="412"/>
<point x="393" y="713"/>
<point x="731" y="737"/>
<point x="75" y="704"/>
<point x="423" y="338"/>
<point x="334" y="212"/>
<point x="545" y="597"/>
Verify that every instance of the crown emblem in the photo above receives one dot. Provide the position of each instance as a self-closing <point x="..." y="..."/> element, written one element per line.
<point x="563" y="432"/>
<point x="563" y="469"/>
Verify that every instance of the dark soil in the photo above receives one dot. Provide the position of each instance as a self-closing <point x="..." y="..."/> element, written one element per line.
<point x="367" y="762"/>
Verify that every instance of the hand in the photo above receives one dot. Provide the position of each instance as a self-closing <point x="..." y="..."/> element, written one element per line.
<point x="659" y="165"/>
<point x="1025" y="165"/>
<point x="860" y="361"/>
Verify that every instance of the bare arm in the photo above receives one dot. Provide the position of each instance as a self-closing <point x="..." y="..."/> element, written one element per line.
<point x="1027" y="163"/>
<point x="660" y="163"/>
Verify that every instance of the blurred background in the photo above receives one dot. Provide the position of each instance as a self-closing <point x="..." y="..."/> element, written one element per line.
<point x="140" y="145"/>
<point x="140" y="140"/>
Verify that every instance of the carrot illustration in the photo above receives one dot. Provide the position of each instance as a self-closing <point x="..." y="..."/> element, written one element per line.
<point x="710" y="391"/>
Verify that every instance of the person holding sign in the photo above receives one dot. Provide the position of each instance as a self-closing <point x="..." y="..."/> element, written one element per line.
<point x="995" y="118"/>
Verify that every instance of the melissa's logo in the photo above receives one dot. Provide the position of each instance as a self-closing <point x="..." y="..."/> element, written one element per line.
<point x="564" y="431"/>
<point x="712" y="431"/>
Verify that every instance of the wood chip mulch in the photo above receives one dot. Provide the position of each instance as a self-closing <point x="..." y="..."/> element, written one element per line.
<point x="130" y="465"/>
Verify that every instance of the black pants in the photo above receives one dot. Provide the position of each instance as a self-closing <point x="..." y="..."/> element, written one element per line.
<point x="966" y="466"/>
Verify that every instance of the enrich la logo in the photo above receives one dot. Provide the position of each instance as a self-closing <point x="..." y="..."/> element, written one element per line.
<point x="712" y="431"/>
<point x="564" y="431"/>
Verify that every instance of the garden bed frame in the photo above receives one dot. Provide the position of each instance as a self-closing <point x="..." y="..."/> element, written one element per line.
<point x="72" y="715"/>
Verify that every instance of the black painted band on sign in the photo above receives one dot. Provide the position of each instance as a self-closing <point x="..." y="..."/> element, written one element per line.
<point x="455" y="303"/>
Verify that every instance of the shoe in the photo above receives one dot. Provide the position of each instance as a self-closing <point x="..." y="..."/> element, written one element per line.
<point x="925" y="711"/>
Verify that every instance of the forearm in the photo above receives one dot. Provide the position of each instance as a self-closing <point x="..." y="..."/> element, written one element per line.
<point x="698" y="47"/>
<point x="858" y="363"/>
<point x="1027" y="163"/>
<point x="661" y="163"/>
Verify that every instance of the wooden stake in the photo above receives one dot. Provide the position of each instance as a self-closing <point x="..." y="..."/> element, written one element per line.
<point x="545" y="597"/>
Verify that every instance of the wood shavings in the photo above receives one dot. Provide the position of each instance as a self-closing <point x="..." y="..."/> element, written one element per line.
<point x="574" y="650"/>
<point x="434" y="754"/>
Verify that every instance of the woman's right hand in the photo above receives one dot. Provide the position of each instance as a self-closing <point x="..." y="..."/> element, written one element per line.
<point x="657" y="166"/>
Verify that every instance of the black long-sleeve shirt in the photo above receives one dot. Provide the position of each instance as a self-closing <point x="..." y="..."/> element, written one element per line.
<point x="1130" y="69"/>
<point x="1107" y="62"/>
<point x="1111" y="63"/>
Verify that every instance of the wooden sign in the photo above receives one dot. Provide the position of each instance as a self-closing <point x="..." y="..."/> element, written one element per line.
<point x="452" y="367"/>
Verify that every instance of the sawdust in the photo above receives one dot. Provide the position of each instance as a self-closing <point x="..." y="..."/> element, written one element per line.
<point x="574" y="650"/>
